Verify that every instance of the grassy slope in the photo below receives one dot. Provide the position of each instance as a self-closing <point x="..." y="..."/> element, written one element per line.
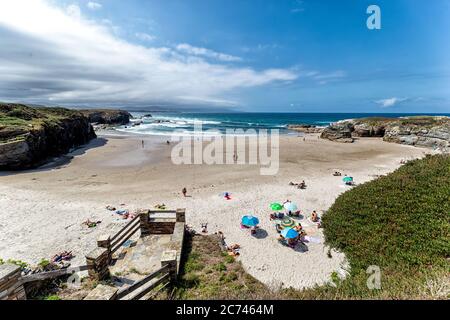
<point x="400" y="222"/>
<point x="211" y="274"/>
<point x="18" y="117"/>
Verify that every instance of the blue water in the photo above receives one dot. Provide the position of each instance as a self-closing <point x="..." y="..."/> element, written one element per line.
<point x="166" y="123"/>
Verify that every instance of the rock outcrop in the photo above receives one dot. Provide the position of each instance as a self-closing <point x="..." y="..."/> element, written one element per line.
<point x="107" y="116"/>
<point x="422" y="131"/>
<point x="29" y="135"/>
<point x="339" y="132"/>
<point x="305" y="128"/>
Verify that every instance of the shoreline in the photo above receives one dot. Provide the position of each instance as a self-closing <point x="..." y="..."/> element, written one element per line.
<point x="43" y="209"/>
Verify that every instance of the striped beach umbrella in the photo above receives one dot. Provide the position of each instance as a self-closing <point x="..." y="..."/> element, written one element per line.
<point x="289" y="233"/>
<point x="287" y="223"/>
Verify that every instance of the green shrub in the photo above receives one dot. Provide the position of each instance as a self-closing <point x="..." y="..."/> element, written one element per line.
<point x="399" y="222"/>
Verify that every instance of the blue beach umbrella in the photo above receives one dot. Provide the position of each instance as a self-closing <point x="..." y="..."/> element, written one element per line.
<point x="290" y="206"/>
<point x="250" y="221"/>
<point x="348" y="179"/>
<point x="289" y="233"/>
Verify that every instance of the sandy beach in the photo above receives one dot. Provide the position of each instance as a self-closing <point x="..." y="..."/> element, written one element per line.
<point x="42" y="211"/>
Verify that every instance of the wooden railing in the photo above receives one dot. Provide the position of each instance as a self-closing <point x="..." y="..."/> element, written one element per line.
<point x="133" y="293"/>
<point x="52" y="274"/>
<point x="125" y="234"/>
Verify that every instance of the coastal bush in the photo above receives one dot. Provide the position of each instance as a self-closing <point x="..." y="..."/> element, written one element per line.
<point x="400" y="223"/>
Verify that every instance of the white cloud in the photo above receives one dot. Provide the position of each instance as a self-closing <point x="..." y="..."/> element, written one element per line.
<point x="50" y="54"/>
<point x="94" y="5"/>
<point x="390" y="102"/>
<point x="74" y="10"/>
<point x="144" y="36"/>
<point x="196" y="51"/>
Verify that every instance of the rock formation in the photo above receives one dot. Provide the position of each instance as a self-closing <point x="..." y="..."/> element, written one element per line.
<point x="107" y="116"/>
<point x="30" y="135"/>
<point x="422" y="131"/>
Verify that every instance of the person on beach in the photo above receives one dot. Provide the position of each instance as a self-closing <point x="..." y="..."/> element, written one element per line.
<point x="314" y="216"/>
<point x="143" y="144"/>
<point x="302" y="185"/>
<point x="184" y="191"/>
<point x="235" y="157"/>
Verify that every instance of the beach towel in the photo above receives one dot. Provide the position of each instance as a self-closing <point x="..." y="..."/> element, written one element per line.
<point x="312" y="239"/>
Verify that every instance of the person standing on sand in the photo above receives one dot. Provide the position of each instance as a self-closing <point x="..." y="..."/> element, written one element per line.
<point x="184" y="191"/>
<point x="143" y="144"/>
<point x="235" y="157"/>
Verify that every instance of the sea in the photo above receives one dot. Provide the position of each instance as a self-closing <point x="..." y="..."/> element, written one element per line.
<point x="183" y="123"/>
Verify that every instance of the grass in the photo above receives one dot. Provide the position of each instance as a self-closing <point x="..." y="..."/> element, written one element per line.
<point x="422" y="121"/>
<point x="208" y="273"/>
<point x="18" y="119"/>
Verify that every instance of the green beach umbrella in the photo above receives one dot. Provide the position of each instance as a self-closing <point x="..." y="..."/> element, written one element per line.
<point x="348" y="179"/>
<point x="276" y="206"/>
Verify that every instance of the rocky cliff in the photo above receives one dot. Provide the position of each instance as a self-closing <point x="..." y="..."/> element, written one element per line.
<point x="107" y="116"/>
<point x="423" y="131"/>
<point x="30" y="135"/>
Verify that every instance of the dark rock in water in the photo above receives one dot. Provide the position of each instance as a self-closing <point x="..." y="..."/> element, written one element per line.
<point x="148" y="115"/>
<point x="106" y="116"/>
<point x="29" y="135"/>
<point x="339" y="132"/>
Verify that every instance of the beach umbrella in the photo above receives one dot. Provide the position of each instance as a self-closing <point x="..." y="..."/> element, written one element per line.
<point x="348" y="179"/>
<point x="276" y="206"/>
<point x="290" y="206"/>
<point x="289" y="233"/>
<point x="250" y="221"/>
<point x="287" y="223"/>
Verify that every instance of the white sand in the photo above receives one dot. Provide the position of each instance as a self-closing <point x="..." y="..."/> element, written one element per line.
<point x="41" y="212"/>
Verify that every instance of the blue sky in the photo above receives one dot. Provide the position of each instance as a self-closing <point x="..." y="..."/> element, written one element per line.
<point x="253" y="55"/>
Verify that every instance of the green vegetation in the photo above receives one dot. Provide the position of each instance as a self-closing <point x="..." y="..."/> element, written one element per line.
<point x="210" y="273"/>
<point x="422" y="121"/>
<point x="43" y="263"/>
<point x="17" y="119"/>
<point x="19" y="263"/>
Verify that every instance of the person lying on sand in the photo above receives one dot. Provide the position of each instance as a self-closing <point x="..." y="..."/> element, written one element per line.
<point x="337" y="174"/>
<point x="233" y="250"/>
